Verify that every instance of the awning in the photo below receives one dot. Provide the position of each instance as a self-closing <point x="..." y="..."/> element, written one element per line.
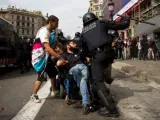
<point x="127" y="8"/>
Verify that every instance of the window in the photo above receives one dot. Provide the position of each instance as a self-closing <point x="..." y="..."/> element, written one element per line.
<point x="100" y="8"/>
<point x="23" y="31"/>
<point x="23" y="24"/>
<point x="28" y="24"/>
<point x="28" y="18"/>
<point x="97" y="13"/>
<point x="23" y="18"/>
<point x="33" y="26"/>
<point x="17" y="24"/>
<point x="18" y="17"/>
<point x="27" y="32"/>
<point x="96" y="8"/>
<point x="32" y="32"/>
<point x="32" y="19"/>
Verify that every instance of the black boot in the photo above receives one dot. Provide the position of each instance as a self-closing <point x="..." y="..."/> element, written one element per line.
<point x="86" y="109"/>
<point x="109" y="81"/>
<point x="108" y="102"/>
<point x="106" y="113"/>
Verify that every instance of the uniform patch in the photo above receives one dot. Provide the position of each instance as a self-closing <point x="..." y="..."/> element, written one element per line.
<point x="89" y="27"/>
<point x="46" y="38"/>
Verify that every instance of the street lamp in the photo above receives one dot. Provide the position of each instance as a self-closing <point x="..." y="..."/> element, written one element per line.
<point x="111" y="9"/>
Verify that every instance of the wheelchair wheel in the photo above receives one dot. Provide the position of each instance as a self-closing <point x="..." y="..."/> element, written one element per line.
<point x="62" y="93"/>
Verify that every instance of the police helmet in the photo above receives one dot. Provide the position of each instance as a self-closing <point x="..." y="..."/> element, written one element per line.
<point x="59" y="33"/>
<point x="77" y="34"/>
<point x="88" y="18"/>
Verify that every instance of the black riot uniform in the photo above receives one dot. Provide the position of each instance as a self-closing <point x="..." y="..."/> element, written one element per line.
<point x="61" y="38"/>
<point x="97" y="41"/>
<point x="77" y="39"/>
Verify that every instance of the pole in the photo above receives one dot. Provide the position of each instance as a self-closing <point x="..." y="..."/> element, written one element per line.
<point x="111" y="15"/>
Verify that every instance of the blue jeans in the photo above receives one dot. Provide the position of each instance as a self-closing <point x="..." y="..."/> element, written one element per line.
<point x="80" y="74"/>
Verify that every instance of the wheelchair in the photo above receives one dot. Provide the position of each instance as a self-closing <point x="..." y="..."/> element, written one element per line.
<point x="66" y="84"/>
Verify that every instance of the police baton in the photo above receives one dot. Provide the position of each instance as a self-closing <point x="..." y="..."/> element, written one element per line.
<point x="139" y="21"/>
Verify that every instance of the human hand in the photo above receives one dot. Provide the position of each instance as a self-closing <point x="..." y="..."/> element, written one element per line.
<point x="61" y="62"/>
<point x="88" y="59"/>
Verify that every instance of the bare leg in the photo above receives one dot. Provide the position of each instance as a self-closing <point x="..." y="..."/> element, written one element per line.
<point x="37" y="85"/>
<point x="53" y="83"/>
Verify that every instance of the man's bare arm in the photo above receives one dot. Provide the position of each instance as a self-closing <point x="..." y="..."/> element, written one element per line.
<point x="50" y="50"/>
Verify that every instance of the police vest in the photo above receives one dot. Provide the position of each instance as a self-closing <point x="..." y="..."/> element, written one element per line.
<point x="95" y="35"/>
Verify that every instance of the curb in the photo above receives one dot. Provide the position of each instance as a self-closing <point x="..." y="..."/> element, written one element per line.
<point x="131" y="70"/>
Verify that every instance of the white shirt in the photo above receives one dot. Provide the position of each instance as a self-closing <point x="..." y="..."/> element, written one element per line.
<point x="139" y="45"/>
<point x="43" y="34"/>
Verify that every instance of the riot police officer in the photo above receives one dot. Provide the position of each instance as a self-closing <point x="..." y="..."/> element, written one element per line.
<point x="61" y="38"/>
<point x="77" y="39"/>
<point x="96" y="40"/>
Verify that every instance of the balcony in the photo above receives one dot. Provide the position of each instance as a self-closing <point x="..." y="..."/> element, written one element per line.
<point x="151" y="12"/>
<point x="97" y="2"/>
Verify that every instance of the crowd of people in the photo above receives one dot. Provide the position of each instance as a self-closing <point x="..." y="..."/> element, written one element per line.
<point x="141" y="47"/>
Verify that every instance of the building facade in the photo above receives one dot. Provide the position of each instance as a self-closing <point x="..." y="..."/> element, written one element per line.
<point x="117" y="7"/>
<point x="26" y="23"/>
<point x="143" y="10"/>
<point x="96" y="7"/>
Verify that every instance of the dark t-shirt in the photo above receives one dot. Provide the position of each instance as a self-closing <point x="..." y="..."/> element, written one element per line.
<point x="77" y="57"/>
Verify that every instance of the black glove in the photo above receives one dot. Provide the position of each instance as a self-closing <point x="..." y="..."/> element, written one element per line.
<point x="107" y="22"/>
<point x="127" y="18"/>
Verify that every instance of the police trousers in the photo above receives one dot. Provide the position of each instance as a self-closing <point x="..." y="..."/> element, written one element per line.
<point x="100" y="62"/>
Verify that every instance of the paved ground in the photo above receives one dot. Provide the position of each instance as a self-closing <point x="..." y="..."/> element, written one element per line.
<point x="136" y="100"/>
<point x="146" y="70"/>
<point x="150" y="66"/>
<point x="15" y="90"/>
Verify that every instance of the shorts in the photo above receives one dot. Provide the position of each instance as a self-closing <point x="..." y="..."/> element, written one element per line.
<point x="50" y="70"/>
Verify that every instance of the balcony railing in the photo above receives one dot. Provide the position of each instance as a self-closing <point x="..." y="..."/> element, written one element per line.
<point x="151" y="12"/>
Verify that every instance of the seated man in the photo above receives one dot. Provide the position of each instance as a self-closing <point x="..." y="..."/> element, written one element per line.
<point x="78" y="70"/>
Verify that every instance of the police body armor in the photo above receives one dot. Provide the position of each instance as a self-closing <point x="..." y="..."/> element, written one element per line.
<point x="78" y="41"/>
<point x="96" y="32"/>
<point x="62" y="39"/>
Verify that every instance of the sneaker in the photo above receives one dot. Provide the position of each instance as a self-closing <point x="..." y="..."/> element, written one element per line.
<point x="35" y="98"/>
<point x="55" y="93"/>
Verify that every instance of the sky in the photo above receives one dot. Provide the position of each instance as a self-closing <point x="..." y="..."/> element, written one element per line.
<point x="68" y="11"/>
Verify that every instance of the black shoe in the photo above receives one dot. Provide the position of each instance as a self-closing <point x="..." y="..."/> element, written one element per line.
<point x="109" y="81"/>
<point x="77" y="105"/>
<point x="86" y="109"/>
<point x="70" y="102"/>
<point x="105" y="113"/>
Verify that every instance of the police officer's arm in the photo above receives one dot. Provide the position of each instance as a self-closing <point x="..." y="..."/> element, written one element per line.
<point x="119" y="25"/>
<point x="85" y="49"/>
